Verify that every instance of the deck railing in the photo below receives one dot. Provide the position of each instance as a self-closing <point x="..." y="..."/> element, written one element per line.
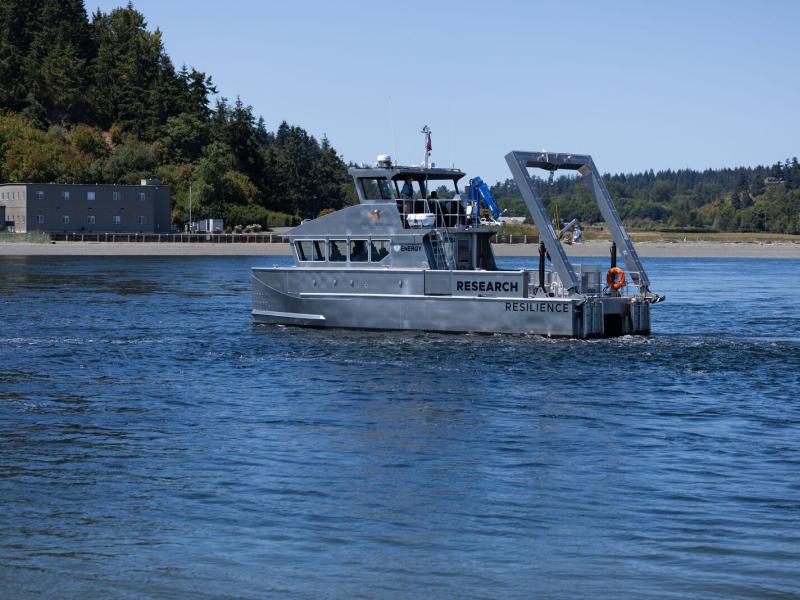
<point x="223" y="238"/>
<point x="173" y="238"/>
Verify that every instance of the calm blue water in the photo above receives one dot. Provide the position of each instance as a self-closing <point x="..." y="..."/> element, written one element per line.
<point x="155" y="444"/>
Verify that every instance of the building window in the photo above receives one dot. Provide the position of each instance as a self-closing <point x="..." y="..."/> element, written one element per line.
<point x="90" y="196"/>
<point x="116" y="195"/>
<point x="141" y="220"/>
<point x="40" y="195"/>
<point x="379" y="250"/>
<point x="310" y="250"/>
<point x="40" y="219"/>
<point x="140" y="196"/>
<point x="91" y="220"/>
<point x="65" y="195"/>
<point x="65" y="218"/>
<point x="116" y="220"/>
<point x="358" y="250"/>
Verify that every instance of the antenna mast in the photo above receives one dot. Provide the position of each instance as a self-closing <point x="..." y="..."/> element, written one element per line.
<point x="428" y="146"/>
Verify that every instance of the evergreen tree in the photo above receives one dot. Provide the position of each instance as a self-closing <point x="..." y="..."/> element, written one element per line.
<point x="19" y="21"/>
<point x="133" y="79"/>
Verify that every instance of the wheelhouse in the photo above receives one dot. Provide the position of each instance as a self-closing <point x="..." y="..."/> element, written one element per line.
<point x="415" y="191"/>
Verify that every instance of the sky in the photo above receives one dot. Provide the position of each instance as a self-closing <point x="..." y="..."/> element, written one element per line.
<point x="638" y="85"/>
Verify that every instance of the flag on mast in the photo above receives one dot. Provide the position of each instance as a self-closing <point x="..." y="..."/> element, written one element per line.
<point x="428" y="146"/>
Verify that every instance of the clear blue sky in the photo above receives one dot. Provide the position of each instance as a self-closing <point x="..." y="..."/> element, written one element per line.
<point x="638" y="85"/>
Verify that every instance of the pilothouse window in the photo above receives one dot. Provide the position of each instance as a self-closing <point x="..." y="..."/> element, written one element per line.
<point x="310" y="250"/>
<point x="375" y="188"/>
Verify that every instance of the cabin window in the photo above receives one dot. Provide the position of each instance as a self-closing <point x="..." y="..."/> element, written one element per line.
<point x="358" y="251"/>
<point x="464" y="258"/>
<point x="337" y="250"/>
<point x="90" y="196"/>
<point x="310" y="250"/>
<point x="463" y="250"/>
<point x="376" y="187"/>
<point x="379" y="250"/>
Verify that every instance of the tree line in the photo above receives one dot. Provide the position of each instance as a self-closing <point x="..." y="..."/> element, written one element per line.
<point x="755" y="199"/>
<point x="98" y="100"/>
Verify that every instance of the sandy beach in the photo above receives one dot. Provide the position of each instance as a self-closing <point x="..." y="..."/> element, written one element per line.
<point x="698" y="249"/>
<point x="665" y="249"/>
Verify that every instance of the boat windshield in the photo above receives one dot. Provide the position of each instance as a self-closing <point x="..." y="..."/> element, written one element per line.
<point x="375" y="188"/>
<point x="421" y="187"/>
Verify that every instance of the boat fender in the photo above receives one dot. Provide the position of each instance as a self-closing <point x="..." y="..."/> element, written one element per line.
<point x="615" y="278"/>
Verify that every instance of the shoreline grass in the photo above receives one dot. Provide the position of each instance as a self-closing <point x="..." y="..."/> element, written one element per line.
<point x="34" y="237"/>
<point x="595" y="233"/>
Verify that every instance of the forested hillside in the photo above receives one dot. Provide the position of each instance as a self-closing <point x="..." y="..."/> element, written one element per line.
<point x="99" y="100"/>
<point x="742" y="199"/>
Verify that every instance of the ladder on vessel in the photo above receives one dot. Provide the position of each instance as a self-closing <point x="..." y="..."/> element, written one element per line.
<point x="442" y="243"/>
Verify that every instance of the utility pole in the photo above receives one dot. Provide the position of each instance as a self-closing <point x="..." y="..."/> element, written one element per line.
<point x="190" y="206"/>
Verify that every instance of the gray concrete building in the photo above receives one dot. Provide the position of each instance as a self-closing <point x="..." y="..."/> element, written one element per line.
<point x="101" y="208"/>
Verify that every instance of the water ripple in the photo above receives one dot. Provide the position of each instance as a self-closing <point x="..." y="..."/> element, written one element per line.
<point x="154" y="443"/>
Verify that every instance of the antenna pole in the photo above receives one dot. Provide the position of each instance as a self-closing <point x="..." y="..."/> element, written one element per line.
<point x="426" y="131"/>
<point x="394" y="139"/>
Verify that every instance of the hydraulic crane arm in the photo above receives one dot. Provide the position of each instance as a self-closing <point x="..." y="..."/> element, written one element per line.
<point x="480" y="189"/>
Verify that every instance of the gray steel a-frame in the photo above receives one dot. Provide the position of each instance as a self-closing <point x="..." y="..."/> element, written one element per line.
<point x="520" y="162"/>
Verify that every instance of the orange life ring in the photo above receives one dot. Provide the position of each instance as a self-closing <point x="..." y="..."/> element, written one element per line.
<point x="615" y="278"/>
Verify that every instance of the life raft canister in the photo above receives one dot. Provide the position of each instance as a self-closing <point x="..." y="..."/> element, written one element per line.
<point x="615" y="278"/>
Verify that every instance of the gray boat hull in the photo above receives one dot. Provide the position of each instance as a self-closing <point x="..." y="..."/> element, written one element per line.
<point x="397" y="300"/>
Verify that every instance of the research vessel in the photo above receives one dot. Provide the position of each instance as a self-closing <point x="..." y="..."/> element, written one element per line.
<point x="414" y="255"/>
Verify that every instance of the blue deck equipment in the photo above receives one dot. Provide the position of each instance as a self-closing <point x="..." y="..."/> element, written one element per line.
<point x="479" y="187"/>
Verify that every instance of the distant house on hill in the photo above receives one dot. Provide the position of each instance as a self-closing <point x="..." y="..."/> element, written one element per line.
<point x="773" y="180"/>
<point x="85" y="208"/>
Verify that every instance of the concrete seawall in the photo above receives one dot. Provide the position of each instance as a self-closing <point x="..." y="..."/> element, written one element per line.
<point x="594" y="248"/>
